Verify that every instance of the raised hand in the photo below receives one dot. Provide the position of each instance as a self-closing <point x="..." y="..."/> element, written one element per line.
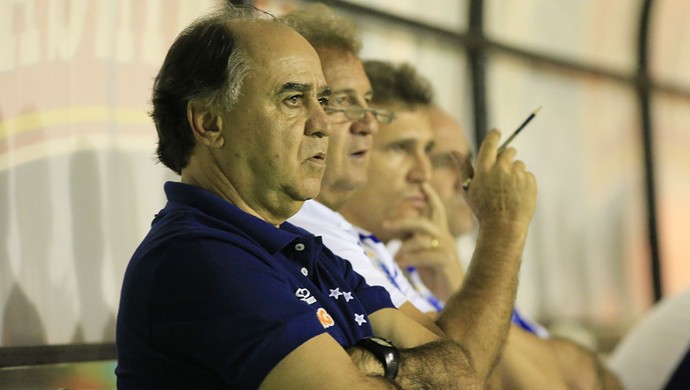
<point x="428" y="246"/>
<point x="503" y="193"/>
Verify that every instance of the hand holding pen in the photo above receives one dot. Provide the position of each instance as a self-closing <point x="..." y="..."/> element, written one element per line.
<point x="504" y="145"/>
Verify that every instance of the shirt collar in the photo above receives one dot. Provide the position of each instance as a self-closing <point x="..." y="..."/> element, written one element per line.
<point x="316" y="210"/>
<point x="268" y="236"/>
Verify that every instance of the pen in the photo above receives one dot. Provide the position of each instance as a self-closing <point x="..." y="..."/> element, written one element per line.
<point x="504" y="145"/>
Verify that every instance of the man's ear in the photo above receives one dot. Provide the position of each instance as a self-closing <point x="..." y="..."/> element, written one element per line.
<point x="206" y="126"/>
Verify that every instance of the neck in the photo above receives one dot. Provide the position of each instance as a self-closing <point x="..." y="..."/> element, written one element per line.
<point x="215" y="182"/>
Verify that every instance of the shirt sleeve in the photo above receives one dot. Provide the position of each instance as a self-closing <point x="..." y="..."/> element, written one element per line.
<point x="227" y="313"/>
<point x="362" y="264"/>
<point x="373" y="297"/>
<point x="346" y="245"/>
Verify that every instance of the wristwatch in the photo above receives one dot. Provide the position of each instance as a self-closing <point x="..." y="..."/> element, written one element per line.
<point x="384" y="351"/>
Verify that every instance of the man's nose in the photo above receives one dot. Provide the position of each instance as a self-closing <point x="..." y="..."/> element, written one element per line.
<point x="365" y="126"/>
<point x="318" y="124"/>
<point x="421" y="170"/>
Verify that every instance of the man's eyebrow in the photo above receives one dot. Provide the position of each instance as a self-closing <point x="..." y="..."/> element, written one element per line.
<point x="298" y="87"/>
<point x="352" y="92"/>
<point x="304" y="88"/>
<point x="430" y="145"/>
<point x="343" y="91"/>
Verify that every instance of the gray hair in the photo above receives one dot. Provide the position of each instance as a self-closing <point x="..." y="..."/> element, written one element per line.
<point x="323" y="28"/>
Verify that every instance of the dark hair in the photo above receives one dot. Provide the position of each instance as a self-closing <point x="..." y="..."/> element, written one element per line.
<point x="205" y="65"/>
<point x="323" y="28"/>
<point x="398" y="84"/>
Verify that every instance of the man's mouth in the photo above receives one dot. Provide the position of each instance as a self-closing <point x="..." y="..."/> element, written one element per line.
<point x="419" y="201"/>
<point x="319" y="158"/>
<point x="360" y="153"/>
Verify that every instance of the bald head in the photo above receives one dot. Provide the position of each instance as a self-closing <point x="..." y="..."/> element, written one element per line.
<point x="450" y="152"/>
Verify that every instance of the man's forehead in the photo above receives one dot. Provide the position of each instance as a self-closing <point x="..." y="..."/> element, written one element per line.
<point x="266" y="41"/>
<point x="281" y="58"/>
<point x="408" y="131"/>
<point x="343" y="69"/>
<point x="350" y="92"/>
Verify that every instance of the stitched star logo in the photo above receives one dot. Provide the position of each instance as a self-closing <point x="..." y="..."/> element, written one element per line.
<point x="335" y="293"/>
<point x="347" y="296"/>
<point x="359" y="318"/>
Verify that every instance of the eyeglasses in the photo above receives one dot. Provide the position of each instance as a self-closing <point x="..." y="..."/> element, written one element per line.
<point x="355" y="112"/>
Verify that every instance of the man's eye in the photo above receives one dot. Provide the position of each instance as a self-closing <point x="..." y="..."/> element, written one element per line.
<point x="293" y="100"/>
<point x="339" y="101"/>
<point x="396" y="147"/>
<point x="441" y="161"/>
<point x="324" y="101"/>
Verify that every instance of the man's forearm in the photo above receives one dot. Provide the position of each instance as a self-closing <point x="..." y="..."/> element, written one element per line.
<point x="437" y="365"/>
<point x="478" y="316"/>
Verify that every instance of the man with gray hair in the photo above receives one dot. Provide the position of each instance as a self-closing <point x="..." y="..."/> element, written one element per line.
<point x="223" y="292"/>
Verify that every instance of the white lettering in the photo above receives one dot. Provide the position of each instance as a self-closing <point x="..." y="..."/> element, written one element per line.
<point x="66" y="20"/>
<point x="33" y="31"/>
<point x="152" y="45"/>
<point x="29" y="37"/>
<point x="105" y="25"/>
<point x="124" y="38"/>
<point x="114" y="37"/>
<point x="8" y="41"/>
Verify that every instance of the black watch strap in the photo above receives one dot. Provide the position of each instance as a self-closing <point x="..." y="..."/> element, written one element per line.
<point x="385" y="352"/>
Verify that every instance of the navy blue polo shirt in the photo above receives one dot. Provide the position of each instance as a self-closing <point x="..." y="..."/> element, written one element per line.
<point x="215" y="298"/>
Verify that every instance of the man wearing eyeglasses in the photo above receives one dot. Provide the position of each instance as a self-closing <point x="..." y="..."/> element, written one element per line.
<point x="353" y="124"/>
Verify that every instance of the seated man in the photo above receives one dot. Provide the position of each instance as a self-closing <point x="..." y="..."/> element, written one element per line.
<point x="223" y="293"/>
<point x="432" y="275"/>
<point x="382" y="208"/>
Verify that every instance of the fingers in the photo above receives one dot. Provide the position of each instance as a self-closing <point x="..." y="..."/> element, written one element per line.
<point x="418" y="243"/>
<point x="503" y="192"/>
<point x="424" y="251"/>
<point x="486" y="157"/>
<point x="507" y="155"/>
<point x="407" y="227"/>
<point x="437" y="212"/>
<point x="519" y="166"/>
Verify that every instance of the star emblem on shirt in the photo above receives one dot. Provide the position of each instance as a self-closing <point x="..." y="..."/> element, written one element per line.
<point x="347" y="296"/>
<point x="335" y="293"/>
<point x="359" y="318"/>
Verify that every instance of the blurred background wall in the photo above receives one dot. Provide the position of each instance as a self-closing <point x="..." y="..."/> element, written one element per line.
<point x="79" y="184"/>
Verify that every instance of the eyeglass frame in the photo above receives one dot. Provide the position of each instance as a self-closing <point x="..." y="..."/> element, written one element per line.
<point x="356" y="112"/>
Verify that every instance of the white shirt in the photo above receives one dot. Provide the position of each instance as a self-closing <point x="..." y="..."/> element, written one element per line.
<point x="368" y="256"/>
<point x="650" y="352"/>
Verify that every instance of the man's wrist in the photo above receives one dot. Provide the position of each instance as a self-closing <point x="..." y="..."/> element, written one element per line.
<point x="366" y="362"/>
<point x="384" y="352"/>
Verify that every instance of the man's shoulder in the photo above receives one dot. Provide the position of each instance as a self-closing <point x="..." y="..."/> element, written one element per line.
<point x="322" y="221"/>
<point x="313" y="212"/>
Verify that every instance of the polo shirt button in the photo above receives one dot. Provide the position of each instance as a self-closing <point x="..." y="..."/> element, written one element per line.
<point x="299" y="247"/>
<point x="305" y="271"/>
